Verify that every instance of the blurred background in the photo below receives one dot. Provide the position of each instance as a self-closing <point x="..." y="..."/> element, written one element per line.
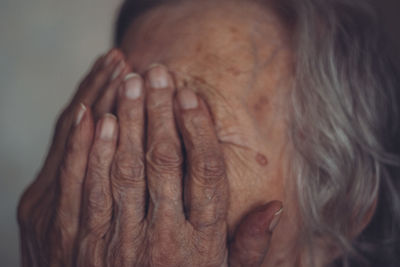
<point x="45" y="48"/>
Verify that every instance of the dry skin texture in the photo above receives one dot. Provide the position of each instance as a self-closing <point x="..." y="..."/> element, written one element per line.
<point x="241" y="66"/>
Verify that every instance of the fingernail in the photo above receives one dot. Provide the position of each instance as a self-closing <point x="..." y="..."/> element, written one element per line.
<point x="158" y="76"/>
<point x="275" y="220"/>
<point x="81" y="112"/>
<point x="107" y="127"/>
<point x="118" y="70"/>
<point x="187" y="99"/>
<point x="133" y="86"/>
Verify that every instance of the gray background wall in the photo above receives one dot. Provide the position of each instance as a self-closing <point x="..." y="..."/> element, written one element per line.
<point x="45" y="47"/>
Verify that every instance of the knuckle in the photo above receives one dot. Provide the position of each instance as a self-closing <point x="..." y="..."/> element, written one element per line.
<point x="209" y="168"/>
<point x="128" y="170"/>
<point x="99" y="158"/>
<point x="65" y="172"/>
<point x="64" y="226"/>
<point x="98" y="225"/>
<point x="35" y="212"/>
<point x="32" y="203"/>
<point x="28" y="207"/>
<point x="165" y="253"/>
<point x="99" y="200"/>
<point x="96" y="164"/>
<point x="165" y="155"/>
<point x="200" y="120"/>
<point x="72" y="147"/>
<point x="160" y="104"/>
<point x="69" y="175"/>
<point x="198" y="124"/>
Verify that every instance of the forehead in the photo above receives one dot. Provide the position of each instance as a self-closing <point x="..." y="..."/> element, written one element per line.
<point x="204" y="37"/>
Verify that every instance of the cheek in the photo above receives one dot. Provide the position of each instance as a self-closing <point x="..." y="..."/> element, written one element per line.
<point x="254" y="180"/>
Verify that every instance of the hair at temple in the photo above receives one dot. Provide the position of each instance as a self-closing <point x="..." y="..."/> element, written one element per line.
<point x="344" y="114"/>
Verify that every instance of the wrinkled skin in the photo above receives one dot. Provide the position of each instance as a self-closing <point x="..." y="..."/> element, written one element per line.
<point x="241" y="69"/>
<point x="115" y="198"/>
<point x="237" y="56"/>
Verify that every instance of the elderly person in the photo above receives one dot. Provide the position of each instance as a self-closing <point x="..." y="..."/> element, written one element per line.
<point x="264" y="136"/>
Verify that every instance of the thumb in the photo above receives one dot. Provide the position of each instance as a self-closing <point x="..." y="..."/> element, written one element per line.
<point x="252" y="237"/>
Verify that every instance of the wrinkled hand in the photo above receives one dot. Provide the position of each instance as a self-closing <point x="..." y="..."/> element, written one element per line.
<point x="130" y="192"/>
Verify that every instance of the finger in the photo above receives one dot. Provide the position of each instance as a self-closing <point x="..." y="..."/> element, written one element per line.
<point x="105" y="101"/>
<point x="58" y="208"/>
<point x="206" y="191"/>
<point x="86" y="93"/>
<point x="252" y="237"/>
<point x="72" y="172"/>
<point x="45" y="181"/>
<point x="97" y="79"/>
<point x="127" y="175"/>
<point x="164" y="155"/>
<point x="127" y="179"/>
<point x="97" y="200"/>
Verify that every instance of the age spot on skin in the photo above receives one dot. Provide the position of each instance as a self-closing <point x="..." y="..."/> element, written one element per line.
<point x="261" y="103"/>
<point x="234" y="71"/>
<point x="233" y="30"/>
<point x="261" y="159"/>
<point x="199" y="48"/>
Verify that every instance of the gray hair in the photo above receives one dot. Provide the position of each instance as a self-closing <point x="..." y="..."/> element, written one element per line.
<point x="344" y="130"/>
<point x="344" y="126"/>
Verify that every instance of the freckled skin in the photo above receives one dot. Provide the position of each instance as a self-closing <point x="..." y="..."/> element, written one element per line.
<point x="236" y="55"/>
